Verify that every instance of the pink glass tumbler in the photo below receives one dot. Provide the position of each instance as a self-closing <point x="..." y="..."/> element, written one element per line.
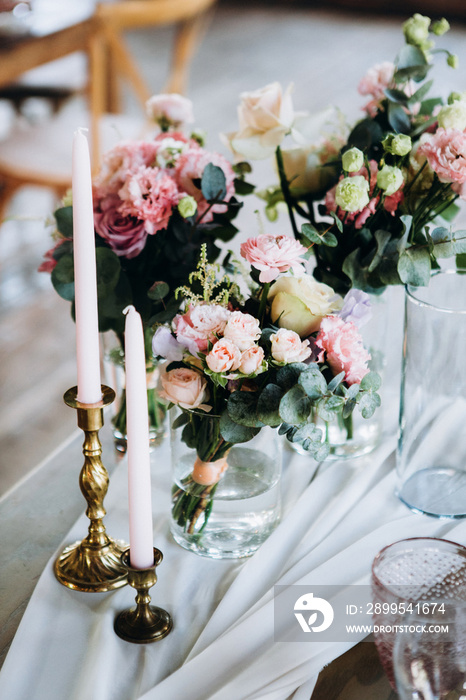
<point x="405" y="576"/>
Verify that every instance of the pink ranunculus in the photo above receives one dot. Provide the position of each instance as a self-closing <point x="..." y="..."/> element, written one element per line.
<point x="344" y="348"/>
<point x="125" y="158"/>
<point x="251" y="360"/>
<point x="170" y="110"/>
<point x="200" y="325"/>
<point x="185" y="388"/>
<point x="225" y="356"/>
<point x="125" y="235"/>
<point x="190" y="166"/>
<point x="446" y="154"/>
<point x="288" y="347"/>
<point x="49" y="263"/>
<point x="273" y="255"/>
<point x="151" y="195"/>
<point x="242" y="329"/>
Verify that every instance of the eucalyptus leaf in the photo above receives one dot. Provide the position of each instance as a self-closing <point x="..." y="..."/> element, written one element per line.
<point x="63" y="277"/>
<point x="108" y="271"/>
<point x="382" y="238"/>
<point x="242" y="409"/>
<point x="268" y="405"/>
<point x="313" y="382"/>
<point x="368" y="404"/>
<point x="398" y="119"/>
<point x="213" y="183"/>
<point x="233" y="432"/>
<point x="295" y="406"/>
<point x="336" y="381"/>
<point x="414" y="266"/>
<point x="287" y="376"/>
<point x="397" y="96"/>
<point x="64" y="219"/>
<point x="158" y="291"/>
<point x="370" y="382"/>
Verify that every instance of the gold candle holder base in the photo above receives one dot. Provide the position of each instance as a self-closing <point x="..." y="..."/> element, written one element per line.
<point x="145" y="623"/>
<point x="93" y="565"/>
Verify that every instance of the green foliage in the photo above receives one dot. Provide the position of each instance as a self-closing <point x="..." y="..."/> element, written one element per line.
<point x="213" y="183"/>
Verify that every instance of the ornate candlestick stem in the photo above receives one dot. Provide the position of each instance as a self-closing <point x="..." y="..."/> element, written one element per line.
<point x="145" y="623"/>
<point x="93" y="565"/>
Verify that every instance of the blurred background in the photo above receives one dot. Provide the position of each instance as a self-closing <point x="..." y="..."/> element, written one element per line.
<point x="323" y="48"/>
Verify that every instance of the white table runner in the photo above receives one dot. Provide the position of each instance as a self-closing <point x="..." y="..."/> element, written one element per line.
<point x="221" y="647"/>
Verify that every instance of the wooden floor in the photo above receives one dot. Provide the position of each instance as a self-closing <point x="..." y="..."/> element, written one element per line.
<point x="323" y="53"/>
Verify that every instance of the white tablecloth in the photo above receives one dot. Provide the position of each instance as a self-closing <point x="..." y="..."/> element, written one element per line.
<point x="221" y="646"/>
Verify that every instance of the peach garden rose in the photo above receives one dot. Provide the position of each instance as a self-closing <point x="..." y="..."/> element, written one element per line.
<point x="186" y="388"/>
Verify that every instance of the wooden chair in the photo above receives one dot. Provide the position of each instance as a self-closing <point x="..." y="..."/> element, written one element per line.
<point x="40" y="155"/>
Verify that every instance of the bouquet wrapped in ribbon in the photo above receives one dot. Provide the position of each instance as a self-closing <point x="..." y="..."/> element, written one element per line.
<point x="240" y="362"/>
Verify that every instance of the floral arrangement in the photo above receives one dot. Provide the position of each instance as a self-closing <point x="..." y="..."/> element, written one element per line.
<point x="367" y="199"/>
<point x="287" y="353"/>
<point x="156" y="201"/>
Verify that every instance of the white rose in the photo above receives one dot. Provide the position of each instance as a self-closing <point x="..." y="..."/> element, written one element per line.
<point x="453" y="116"/>
<point x="170" y="110"/>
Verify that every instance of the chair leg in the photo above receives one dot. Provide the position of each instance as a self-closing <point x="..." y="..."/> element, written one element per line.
<point x="188" y="37"/>
<point x="7" y="190"/>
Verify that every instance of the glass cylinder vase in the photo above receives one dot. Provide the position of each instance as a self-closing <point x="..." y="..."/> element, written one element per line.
<point x="115" y="377"/>
<point x="225" y="508"/>
<point x="355" y="436"/>
<point x="431" y="457"/>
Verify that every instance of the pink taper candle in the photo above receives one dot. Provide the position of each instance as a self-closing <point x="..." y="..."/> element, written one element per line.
<point x="85" y="278"/>
<point x="137" y="430"/>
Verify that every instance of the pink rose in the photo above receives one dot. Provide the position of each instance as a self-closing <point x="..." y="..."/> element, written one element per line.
<point x="185" y="388"/>
<point x="150" y="194"/>
<point x="170" y="110"/>
<point x="190" y="166"/>
<point x="288" y="347"/>
<point x="200" y="325"/>
<point x="242" y="329"/>
<point x="225" y="356"/>
<point x="123" y="159"/>
<point x="273" y="255"/>
<point x="251" y="360"/>
<point x="344" y="348"/>
<point x="446" y="153"/>
<point x="126" y="235"/>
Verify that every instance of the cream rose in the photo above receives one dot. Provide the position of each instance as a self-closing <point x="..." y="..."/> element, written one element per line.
<point x="300" y="303"/>
<point x="265" y="117"/>
<point x="170" y="110"/>
<point x="242" y="329"/>
<point x="288" y="347"/>
<point x="225" y="356"/>
<point x="185" y="388"/>
<point x="251" y="360"/>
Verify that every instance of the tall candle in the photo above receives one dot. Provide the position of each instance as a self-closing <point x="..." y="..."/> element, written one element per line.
<point x="137" y="432"/>
<point x="85" y="278"/>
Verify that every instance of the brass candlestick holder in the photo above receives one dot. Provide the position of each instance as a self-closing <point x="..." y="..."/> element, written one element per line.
<point x="145" y="623"/>
<point x="93" y="565"/>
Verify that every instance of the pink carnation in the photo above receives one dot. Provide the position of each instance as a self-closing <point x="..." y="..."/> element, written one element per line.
<point x="190" y="166"/>
<point x="344" y="348"/>
<point x="376" y="80"/>
<point x="49" y="263"/>
<point x="273" y="255"/>
<point x="446" y="153"/>
<point x="125" y="234"/>
<point x="119" y="162"/>
<point x="150" y="194"/>
<point x="200" y="325"/>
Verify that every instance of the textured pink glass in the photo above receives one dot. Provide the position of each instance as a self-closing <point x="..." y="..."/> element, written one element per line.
<point x="416" y="569"/>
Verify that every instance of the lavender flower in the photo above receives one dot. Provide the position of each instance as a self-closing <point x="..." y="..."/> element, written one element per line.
<point x="356" y="308"/>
